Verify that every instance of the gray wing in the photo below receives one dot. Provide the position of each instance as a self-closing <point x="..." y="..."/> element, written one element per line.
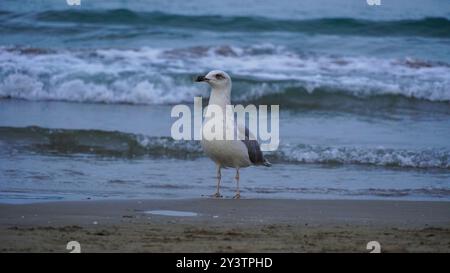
<point x="253" y="149"/>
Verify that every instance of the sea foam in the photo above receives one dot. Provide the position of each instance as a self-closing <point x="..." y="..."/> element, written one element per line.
<point x="164" y="76"/>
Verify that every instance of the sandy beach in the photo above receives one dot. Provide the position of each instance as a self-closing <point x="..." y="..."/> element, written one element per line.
<point x="247" y="225"/>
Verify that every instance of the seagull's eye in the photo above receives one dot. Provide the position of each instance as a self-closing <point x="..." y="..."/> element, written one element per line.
<point x="219" y="76"/>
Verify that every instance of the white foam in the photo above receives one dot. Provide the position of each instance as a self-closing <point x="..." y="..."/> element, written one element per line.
<point x="381" y="156"/>
<point x="159" y="76"/>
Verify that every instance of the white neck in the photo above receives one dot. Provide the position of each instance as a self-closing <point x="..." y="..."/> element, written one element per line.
<point x="220" y="97"/>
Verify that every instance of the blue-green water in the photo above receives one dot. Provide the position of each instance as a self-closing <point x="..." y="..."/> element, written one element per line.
<point x="86" y="93"/>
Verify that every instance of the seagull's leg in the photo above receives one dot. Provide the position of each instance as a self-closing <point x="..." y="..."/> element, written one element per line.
<point x="238" y="194"/>
<point x="219" y="176"/>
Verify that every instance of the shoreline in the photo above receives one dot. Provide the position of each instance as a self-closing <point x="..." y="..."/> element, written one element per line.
<point x="226" y="225"/>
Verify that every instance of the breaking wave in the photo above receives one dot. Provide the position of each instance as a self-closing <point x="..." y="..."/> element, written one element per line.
<point x="119" y="144"/>
<point x="164" y="76"/>
<point x="96" y="142"/>
<point x="427" y="158"/>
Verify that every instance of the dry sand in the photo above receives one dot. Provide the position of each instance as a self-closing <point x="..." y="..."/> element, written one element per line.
<point x="259" y="225"/>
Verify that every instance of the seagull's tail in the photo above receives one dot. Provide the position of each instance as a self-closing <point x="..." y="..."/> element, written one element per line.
<point x="266" y="163"/>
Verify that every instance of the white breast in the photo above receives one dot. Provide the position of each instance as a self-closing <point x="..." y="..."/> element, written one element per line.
<point x="227" y="153"/>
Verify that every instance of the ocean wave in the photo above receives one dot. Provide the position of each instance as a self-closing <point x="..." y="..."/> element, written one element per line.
<point x="96" y="142"/>
<point x="119" y="144"/>
<point x="386" y="157"/>
<point x="425" y="27"/>
<point x="164" y="76"/>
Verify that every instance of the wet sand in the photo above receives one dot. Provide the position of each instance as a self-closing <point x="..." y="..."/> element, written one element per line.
<point x="247" y="225"/>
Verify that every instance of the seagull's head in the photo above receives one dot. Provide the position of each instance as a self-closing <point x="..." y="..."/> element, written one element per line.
<point x="217" y="79"/>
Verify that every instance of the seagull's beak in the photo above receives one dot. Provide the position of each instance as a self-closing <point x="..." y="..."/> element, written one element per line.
<point x="201" y="79"/>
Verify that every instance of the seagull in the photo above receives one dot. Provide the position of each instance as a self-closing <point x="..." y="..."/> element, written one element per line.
<point x="229" y="153"/>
